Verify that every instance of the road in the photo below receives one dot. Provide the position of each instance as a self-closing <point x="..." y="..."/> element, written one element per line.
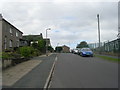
<point x="73" y="71"/>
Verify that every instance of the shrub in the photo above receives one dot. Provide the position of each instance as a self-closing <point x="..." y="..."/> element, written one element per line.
<point x="26" y="51"/>
<point x="41" y="45"/>
<point x="6" y="55"/>
<point x="36" y="52"/>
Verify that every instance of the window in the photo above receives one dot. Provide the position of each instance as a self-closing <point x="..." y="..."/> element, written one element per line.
<point x="10" y="30"/>
<point x="5" y="42"/>
<point x="16" y="34"/>
<point x="10" y="43"/>
<point x="17" y="43"/>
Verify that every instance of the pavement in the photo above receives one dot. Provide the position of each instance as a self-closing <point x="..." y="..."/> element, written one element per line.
<point x="13" y="74"/>
<point x="74" y="71"/>
<point x="30" y="74"/>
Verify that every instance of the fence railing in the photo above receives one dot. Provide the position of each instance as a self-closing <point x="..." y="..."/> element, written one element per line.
<point x="109" y="46"/>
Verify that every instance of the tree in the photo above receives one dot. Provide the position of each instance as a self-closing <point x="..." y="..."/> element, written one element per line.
<point x="50" y="49"/>
<point x="29" y="38"/>
<point x="35" y="45"/>
<point x="26" y="51"/>
<point x="58" y="49"/>
<point x="83" y="44"/>
<point x="41" y="45"/>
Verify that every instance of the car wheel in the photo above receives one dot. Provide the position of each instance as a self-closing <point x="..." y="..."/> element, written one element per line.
<point x="91" y="55"/>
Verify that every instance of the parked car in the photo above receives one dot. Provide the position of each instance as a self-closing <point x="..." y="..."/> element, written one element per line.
<point x="79" y="49"/>
<point x="72" y="50"/>
<point x="86" y="52"/>
<point x="75" y="51"/>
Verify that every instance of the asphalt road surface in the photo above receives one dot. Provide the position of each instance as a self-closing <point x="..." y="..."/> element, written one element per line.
<point x="73" y="71"/>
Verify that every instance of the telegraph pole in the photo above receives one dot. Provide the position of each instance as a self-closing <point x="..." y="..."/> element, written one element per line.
<point x="98" y="31"/>
<point x="46" y="41"/>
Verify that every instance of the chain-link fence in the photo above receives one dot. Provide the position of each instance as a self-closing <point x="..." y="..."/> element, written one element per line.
<point x="108" y="47"/>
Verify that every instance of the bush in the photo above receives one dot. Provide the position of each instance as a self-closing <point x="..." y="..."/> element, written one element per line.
<point x="42" y="46"/>
<point x="26" y="51"/>
<point x="36" y="52"/>
<point x="6" y="55"/>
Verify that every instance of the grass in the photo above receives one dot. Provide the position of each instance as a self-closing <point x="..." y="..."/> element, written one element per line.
<point x="108" y="58"/>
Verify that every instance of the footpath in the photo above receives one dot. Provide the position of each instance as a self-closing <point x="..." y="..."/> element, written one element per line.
<point x="29" y="74"/>
<point x="13" y="74"/>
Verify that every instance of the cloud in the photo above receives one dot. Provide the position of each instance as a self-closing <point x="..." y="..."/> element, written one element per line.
<point x="70" y="22"/>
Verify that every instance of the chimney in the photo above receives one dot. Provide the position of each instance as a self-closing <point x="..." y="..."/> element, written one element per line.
<point x="1" y="17"/>
<point x="41" y="35"/>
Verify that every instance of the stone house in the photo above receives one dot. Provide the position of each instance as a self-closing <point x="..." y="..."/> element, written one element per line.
<point x="10" y="35"/>
<point x="65" y="49"/>
<point x="32" y="38"/>
<point x="48" y="43"/>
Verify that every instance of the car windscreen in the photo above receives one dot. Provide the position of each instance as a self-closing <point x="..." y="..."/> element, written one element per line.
<point x="86" y="49"/>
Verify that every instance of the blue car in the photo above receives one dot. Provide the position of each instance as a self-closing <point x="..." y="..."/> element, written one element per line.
<point x="86" y="52"/>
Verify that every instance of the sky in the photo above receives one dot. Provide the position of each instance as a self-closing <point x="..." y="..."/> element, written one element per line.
<point x="71" y="21"/>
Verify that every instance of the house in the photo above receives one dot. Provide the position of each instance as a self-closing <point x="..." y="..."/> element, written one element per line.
<point x="23" y="42"/>
<point x="10" y="35"/>
<point x="65" y="49"/>
<point x="47" y="42"/>
<point x="32" y="38"/>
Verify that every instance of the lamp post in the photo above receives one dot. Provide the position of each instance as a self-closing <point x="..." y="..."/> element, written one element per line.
<point x="98" y="31"/>
<point x="46" y="40"/>
<point x="57" y="47"/>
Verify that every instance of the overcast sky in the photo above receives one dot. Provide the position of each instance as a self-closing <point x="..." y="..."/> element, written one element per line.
<point x="71" y="21"/>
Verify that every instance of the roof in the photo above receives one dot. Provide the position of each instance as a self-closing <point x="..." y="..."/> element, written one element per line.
<point x="65" y="46"/>
<point x="33" y="37"/>
<point x="1" y="18"/>
<point x="46" y="38"/>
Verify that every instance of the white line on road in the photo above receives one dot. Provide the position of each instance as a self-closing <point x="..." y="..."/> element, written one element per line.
<point x="56" y="59"/>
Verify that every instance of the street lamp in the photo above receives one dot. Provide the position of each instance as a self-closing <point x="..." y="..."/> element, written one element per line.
<point x="57" y="47"/>
<point x="46" y="40"/>
<point x="98" y="31"/>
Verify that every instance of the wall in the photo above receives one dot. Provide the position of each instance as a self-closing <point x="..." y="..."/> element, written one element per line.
<point x="0" y="52"/>
<point x="10" y="36"/>
<point x="66" y="49"/>
<point x="6" y="63"/>
<point x="0" y="36"/>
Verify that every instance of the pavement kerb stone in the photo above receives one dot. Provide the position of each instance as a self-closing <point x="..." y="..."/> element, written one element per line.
<point x="45" y="55"/>
<point x="46" y="86"/>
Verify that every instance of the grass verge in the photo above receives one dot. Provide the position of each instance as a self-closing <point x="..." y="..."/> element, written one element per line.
<point x="108" y="58"/>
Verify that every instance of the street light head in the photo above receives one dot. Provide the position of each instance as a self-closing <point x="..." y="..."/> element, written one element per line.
<point x="97" y="15"/>
<point x="49" y="29"/>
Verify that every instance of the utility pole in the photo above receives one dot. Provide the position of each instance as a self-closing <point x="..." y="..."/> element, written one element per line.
<point x="46" y="41"/>
<point x="98" y="31"/>
<point x="57" y="47"/>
